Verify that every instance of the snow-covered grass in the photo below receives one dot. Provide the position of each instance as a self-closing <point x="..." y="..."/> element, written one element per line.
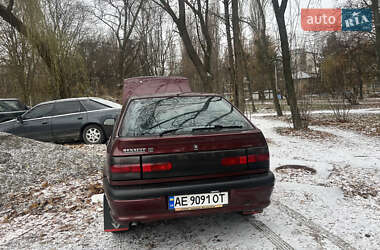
<point x="337" y="207"/>
<point x="374" y="111"/>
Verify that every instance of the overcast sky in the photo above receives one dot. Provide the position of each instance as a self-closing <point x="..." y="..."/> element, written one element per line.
<point x="293" y="14"/>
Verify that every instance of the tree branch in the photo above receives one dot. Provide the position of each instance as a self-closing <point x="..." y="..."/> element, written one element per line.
<point x="34" y="39"/>
<point x="10" y="5"/>
<point x="284" y="3"/>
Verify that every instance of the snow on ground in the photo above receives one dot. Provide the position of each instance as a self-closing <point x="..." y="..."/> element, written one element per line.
<point x="309" y="211"/>
<point x="374" y="111"/>
<point x="320" y="197"/>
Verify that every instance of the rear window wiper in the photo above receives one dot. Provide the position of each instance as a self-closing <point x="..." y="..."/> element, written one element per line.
<point x="169" y="131"/>
<point x="216" y="127"/>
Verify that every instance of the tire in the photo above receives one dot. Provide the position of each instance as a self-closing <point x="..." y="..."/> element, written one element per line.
<point x="93" y="134"/>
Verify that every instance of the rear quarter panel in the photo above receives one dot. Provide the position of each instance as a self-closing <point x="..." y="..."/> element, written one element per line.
<point x="100" y="116"/>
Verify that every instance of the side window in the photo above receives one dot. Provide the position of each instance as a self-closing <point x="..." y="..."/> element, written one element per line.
<point x="91" y="105"/>
<point x="11" y="105"/>
<point x="39" y="111"/>
<point x="3" y="108"/>
<point x="63" y="108"/>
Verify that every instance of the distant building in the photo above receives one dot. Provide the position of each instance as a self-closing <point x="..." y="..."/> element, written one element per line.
<point x="305" y="70"/>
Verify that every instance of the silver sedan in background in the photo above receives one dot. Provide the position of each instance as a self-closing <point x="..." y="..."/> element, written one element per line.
<point x="88" y="119"/>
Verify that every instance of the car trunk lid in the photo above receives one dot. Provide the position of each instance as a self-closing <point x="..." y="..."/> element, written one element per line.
<point x="192" y="155"/>
<point x="142" y="86"/>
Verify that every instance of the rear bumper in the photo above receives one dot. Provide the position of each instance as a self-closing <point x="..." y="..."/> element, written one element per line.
<point x="150" y="202"/>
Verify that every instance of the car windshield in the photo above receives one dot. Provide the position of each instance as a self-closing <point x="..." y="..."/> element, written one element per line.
<point x="181" y="115"/>
<point x="10" y="105"/>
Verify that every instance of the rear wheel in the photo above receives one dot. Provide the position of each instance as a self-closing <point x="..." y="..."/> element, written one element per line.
<point x="93" y="134"/>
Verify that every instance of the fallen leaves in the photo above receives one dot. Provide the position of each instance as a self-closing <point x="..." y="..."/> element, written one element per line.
<point x="366" y="124"/>
<point x="356" y="181"/>
<point x="305" y="133"/>
<point x="95" y="188"/>
<point x="45" y="184"/>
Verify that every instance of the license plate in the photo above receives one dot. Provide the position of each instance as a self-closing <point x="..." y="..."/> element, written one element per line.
<point x="198" y="201"/>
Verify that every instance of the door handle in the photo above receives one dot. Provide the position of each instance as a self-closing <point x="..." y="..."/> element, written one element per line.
<point x="44" y="123"/>
<point x="80" y="118"/>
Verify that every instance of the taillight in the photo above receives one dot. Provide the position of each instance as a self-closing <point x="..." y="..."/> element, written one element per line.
<point x="258" y="158"/>
<point x="147" y="168"/>
<point x="238" y="160"/>
<point x="125" y="169"/>
<point x="241" y="160"/>
<point x="156" y="167"/>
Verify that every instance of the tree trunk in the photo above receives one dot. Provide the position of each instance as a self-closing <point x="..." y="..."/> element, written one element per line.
<point x="268" y="60"/>
<point x="261" y="96"/>
<point x="243" y="61"/>
<point x="360" y="79"/>
<point x="291" y="94"/>
<point x="269" y="66"/>
<point x="276" y="102"/>
<point x="376" y="14"/>
<point x="250" y="92"/>
<point x="231" y="61"/>
<point x="249" y="84"/>
<point x="180" y="21"/>
<point x="239" y="56"/>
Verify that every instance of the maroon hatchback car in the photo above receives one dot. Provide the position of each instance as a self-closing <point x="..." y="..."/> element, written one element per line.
<point x="183" y="154"/>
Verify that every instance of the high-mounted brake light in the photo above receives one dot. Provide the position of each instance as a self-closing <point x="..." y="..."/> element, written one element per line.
<point x="156" y="167"/>
<point x="125" y="169"/>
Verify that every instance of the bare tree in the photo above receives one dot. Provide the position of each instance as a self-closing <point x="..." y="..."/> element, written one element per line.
<point x="375" y="8"/>
<point x="50" y="38"/>
<point x="230" y="51"/>
<point x="374" y="5"/>
<point x="286" y="61"/>
<point x="121" y="16"/>
<point x="64" y="28"/>
<point x="9" y="16"/>
<point x="258" y="24"/>
<point x="239" y="56"/>
<point x="21" y="63"/>
<point x="157" y="40"/>
<point x="201" y="60"/>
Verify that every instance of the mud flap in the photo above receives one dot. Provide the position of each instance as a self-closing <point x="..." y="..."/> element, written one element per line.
<point x="109" y="224"/>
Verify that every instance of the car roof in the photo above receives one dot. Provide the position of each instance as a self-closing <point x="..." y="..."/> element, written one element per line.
<point x="106" y="102"/>
<point x="9" y="99"/>
<point x="76" y="99"/>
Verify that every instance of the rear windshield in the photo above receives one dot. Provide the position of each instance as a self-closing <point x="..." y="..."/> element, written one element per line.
<point x="91" y="105"/>
<point x="11" y="105"/>
<point x="181" y="115"/>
